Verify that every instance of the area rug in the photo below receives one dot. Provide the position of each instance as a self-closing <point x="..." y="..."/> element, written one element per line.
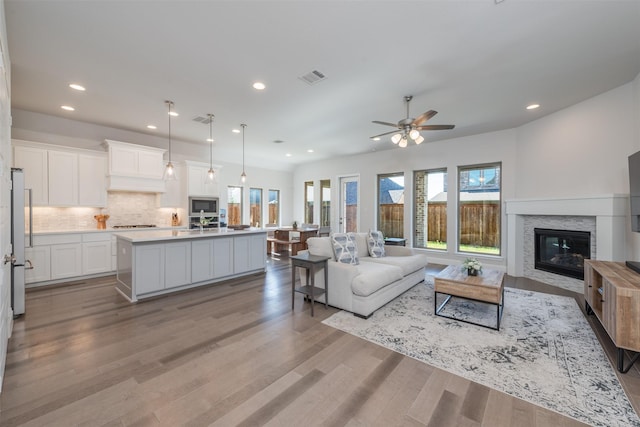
<point x="545" y="352"/>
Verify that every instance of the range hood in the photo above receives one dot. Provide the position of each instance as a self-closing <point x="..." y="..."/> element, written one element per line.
<point x="135" y="168"/>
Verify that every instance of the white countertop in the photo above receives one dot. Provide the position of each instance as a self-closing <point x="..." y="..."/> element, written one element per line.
<point x="105" y="230"/>
<point x="160" y="235"/>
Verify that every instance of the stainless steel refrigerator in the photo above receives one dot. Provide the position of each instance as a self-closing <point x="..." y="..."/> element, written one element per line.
<point x="21" y="232"/>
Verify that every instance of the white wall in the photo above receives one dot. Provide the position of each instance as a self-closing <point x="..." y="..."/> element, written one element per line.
<point x="579" y="151"/>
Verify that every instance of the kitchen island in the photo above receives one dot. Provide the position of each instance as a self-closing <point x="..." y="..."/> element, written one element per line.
<point x="151" y="263"/>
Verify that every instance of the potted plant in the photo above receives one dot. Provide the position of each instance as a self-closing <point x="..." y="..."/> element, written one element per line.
<point x="472" y="266"/>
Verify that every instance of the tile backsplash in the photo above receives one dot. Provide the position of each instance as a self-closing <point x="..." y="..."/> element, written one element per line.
<point x="123" y="208"/>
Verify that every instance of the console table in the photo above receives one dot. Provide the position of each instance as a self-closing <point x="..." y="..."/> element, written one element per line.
<point x="612" y="293"/>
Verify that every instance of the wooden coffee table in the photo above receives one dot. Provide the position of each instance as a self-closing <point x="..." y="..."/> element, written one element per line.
<point x="487" y="287"/>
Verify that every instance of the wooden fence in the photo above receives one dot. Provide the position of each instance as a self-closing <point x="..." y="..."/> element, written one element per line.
<point x="479" y="222"/>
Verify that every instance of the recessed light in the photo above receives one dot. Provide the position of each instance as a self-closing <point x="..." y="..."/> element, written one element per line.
<point x="68" y="108"/>
<point x="309" y="150"/>
<point x="288" y="154"/>
<point x="209" y="139"/>
<point x="77" y="87"/>
<point x="152" y="127"/>
<point x="235" y="130"/>
<point x="259" y="86"/>
<point x="377" y="138"/>
<point x="533" y="106"/>
<point x="173" y="114"/>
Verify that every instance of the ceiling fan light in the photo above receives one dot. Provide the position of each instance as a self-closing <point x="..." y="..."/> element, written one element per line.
<point x="403" y="143"/>
<point x="396" y="138"/>
<point x="419" y="140"/>
<point x="414" y="134"/>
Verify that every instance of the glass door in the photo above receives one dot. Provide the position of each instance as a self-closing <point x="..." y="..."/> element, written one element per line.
<point x="349" y="215"/>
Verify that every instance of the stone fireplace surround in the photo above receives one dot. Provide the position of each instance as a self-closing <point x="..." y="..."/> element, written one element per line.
<point x="605" y="217"/>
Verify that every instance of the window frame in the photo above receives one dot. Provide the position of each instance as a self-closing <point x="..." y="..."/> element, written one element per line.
<point x="426" y="173"/>
<point x="308" y="211"/>
<point x="277" y="213"/>
<point x="379" y="225"/>
<point x="241" y="203"/>
<point x="259" y="191"/>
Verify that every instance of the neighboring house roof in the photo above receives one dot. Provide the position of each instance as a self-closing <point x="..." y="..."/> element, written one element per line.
<point x="469" y="196"/>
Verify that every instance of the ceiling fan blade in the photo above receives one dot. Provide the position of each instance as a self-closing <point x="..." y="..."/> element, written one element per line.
<point x="385" y="123"/>
<point x="383" y="134"/>
<point x="435" y="127"/>
<point x="424" y="117"/>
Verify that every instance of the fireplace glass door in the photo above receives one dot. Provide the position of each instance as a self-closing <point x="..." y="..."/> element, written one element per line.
<point x="562" y="252"/>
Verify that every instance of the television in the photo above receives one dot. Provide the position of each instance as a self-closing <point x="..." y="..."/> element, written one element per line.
<point x="634" y="190"/>
<point x="634" y="200"/>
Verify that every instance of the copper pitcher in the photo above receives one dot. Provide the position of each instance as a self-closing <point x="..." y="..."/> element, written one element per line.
<point x="102" y="221"/>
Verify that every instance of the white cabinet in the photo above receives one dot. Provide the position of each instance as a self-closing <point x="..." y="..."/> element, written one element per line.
<point x="223" y="256"/>
<point x="92" y="180"/>
<point x="149" y="274"/>
<point x="177" y="264"/>
<point x="135" y="167"/>
<point x="63" y="178"/>
<point x="202" y="253"/>
<point x="40" y="257"/>
<point x="249" y="253"/>
<point x="197" y="182"/>
<point x="34" y="162"/>
<point x="96" y="253"/>
<point x="66" y="261"/>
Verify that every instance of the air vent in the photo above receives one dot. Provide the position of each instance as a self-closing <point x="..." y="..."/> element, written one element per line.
<point x="313" y="77"/>
<point x="203" y="120"/>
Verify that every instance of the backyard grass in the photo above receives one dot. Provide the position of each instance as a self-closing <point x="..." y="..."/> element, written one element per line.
<point x="485" y="250"/>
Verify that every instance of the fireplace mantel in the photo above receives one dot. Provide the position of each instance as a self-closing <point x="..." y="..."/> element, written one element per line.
<point x="610" y="211"/>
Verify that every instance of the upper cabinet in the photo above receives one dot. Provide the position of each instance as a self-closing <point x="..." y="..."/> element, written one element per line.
<point x="62" y="176"/>
<point x="197" y="182"/>
<point x="135" y="167"/>
<point x="36" y="177"/>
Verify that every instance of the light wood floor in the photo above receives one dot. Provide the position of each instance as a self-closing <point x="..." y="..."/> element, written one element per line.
<point x="229" y="354"/>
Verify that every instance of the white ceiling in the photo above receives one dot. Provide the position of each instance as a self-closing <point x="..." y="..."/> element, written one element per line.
<point x="477" y="63"/>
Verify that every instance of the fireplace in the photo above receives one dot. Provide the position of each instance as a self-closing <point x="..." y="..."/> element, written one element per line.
<point x="562" y="251"/>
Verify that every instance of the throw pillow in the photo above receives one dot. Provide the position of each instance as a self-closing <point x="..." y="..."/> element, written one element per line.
<point x="345" y="248"/>
<point x="376" y="244"/>
<point x="320" y="246"/>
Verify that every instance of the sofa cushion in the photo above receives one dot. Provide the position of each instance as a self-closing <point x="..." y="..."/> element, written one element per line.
<point x="373" y="277"/>
<point x="320" y="246"/>
<point x="376" y="244"/>
<point x="362" y="244"/>
<point x="408" y="264"/>
<point x="344" y="248"/>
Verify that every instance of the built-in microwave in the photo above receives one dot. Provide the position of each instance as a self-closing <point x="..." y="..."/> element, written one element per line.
<point x="208" y="205"/>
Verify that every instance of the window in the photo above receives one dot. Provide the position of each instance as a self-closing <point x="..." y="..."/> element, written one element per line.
<point x="325" y="202"/>
<point x="430" y="206"/>
<point x="274" y="206"/>
<point x="391" y="204"/>
<point x="479" y="209"/>
<point x="308" y="202"/>
<point x="234" y="205"/>
<point x="255" y="207"/>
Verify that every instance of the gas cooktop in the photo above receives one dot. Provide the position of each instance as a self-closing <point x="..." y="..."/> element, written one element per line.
<point x="134" y="226"/>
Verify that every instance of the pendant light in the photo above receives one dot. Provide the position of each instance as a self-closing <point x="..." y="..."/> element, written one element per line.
<point x="210" y="173"/>
<point x="169" y="170"/>
<point x="243" y="177"/>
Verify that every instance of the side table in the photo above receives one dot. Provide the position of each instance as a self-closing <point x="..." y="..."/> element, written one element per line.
<point x="311" y="263"/>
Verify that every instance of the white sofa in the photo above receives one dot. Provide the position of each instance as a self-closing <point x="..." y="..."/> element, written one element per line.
<point x="363" y="288"/>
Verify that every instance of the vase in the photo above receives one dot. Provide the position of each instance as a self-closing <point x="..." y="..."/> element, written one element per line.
<point x="472" y="272"/>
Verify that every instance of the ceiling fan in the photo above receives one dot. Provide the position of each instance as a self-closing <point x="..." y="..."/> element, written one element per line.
<point x="410" y="127"/>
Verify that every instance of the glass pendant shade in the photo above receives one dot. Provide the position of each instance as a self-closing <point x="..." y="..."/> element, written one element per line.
<point x="243" y="176"/>
<point x="210" y="178"/>
<point x="414" y="134"/>
<point x="403" y="142"/>
<point x="169" y="169"/>
<point x="419" y="140"/>
<point x="396" y="138"/>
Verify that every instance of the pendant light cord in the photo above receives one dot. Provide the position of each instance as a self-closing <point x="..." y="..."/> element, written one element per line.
<point x="243" y="127"/>
<point x="169" y="103"/>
